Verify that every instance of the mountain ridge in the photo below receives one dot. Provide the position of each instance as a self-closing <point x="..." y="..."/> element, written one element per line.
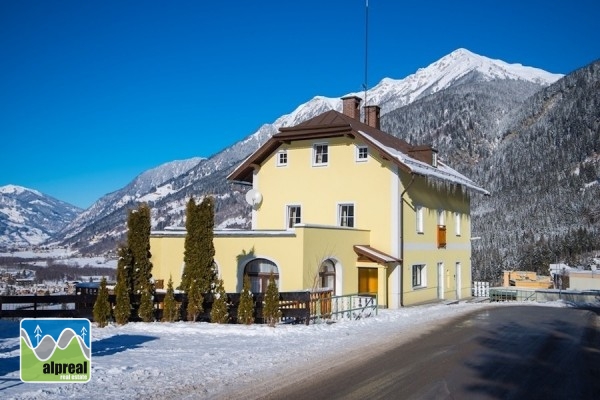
<point x="100" y="227"/>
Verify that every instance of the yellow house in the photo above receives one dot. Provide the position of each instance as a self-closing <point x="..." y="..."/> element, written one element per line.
<point x="339" y="204"/>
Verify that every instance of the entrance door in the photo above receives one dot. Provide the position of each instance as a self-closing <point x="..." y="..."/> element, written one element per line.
<point x="440" y="280"/>
<point x="367" y="280"/>
<point x="458" y="281"/>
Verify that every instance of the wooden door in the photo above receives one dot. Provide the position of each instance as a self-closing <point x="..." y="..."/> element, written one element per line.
<point x="367" y="280"/>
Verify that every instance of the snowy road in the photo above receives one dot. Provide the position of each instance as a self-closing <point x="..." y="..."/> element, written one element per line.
<point x="500" y="353"/>
<point x="210" y="361"/>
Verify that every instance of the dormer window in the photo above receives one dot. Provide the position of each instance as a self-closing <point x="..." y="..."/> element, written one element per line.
<point x="282" y="158"/>
<point x="362" y="153"/>
<point x="320" y="154"/>
<point x="434" y="159"/>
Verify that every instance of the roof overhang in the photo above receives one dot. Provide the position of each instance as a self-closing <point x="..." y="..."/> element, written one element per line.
<point x="367" y="253"/>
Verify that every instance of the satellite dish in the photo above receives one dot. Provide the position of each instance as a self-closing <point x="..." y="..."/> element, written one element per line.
<point x="254" y="198"/>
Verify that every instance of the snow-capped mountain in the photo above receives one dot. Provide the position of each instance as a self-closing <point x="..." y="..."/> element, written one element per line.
<point x="28" y="217"/>
<point x="99" y="227"/>
<point x="448" y="71"/>
<point x="391" y="94"/>
<point x="146" y="187"/>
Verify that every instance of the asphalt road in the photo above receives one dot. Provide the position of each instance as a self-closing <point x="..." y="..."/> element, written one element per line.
<point x="516" y="352"/>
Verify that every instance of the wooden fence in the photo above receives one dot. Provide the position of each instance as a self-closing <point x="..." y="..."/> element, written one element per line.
<point x="296" y="307"/>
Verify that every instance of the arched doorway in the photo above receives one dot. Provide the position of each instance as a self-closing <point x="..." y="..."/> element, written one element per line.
<point x="259" y="270"/>
<point x="327" y="275"/>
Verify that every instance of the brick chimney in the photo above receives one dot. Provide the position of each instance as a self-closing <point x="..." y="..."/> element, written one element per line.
<point x="372" y="116"/>
<point x="351" y="107"/>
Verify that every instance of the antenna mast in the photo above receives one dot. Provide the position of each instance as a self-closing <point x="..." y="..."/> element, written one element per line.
<point x="365" y="85"/>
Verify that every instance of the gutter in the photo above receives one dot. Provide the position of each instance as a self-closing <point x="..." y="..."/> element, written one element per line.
<point x="243" y="183"/>
<point x="402" y="237"/>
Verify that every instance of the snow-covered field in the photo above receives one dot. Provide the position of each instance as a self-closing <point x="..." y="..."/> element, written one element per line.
<point x="201" y="360"/>
<point x="61" y="255"/>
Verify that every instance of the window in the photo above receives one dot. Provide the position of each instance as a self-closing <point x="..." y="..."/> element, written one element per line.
<point x="259" y="271"/>
<point x="418" y="275"/>
<point x="457" y="222"/>
<point x="327" y="275"/>
<point x="361" y="153"/>
<point x="346" y="215"/>
<point x="419" y="218"/>
<point x="320" y="154"/>
<point x="434" y="159"/>
<point x="294" y="216"/>
<point x="282" y="158"/>
<point x="441" y="229"/>
<point x="441" y="217"/>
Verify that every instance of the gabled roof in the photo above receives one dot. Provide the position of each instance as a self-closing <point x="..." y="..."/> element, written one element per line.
<point x="332" y="124"/>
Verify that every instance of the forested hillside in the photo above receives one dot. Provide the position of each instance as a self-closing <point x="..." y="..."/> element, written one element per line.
<point x="545" y="181"/>
<point x="536" y="151"/>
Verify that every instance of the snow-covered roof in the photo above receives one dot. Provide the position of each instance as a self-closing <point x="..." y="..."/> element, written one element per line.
<point x="335" y="124"/>
<point x="442" y="171"/>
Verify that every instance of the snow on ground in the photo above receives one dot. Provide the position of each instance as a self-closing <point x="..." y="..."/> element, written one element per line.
<point x="62" y="255"/>
<point x="202" y="360"/>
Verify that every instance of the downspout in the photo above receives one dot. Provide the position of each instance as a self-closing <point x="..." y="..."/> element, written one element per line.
<point x="402" y="237"/>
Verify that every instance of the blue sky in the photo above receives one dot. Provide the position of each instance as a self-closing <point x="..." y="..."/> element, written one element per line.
<point x="93" y="93"/>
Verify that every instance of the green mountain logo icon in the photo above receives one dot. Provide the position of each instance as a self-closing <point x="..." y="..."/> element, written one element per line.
<point x="60" y="355"/>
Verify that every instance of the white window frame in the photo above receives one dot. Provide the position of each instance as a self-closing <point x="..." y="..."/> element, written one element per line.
<point x="358" y="153"/>
<point x="282" y="154"/>
<point x="419" y="275"/>
<point x="315" y="154"/>
<point x="419" y="218"/>
<point x="289" y="224"/>
<point x="340" y="216"/>
<point x="457" y="223"/>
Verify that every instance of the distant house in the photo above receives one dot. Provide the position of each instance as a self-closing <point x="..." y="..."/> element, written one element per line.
<point x="338" y="204"/>
<point x="527" y="279"/>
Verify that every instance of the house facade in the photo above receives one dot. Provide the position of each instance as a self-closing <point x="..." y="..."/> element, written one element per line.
<point x="339" y="204"/>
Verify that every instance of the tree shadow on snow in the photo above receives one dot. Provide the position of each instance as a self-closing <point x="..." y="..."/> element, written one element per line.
<point x="9" y="329"/>
<point x="118" y="343"/>
<point x="10" y="364"/>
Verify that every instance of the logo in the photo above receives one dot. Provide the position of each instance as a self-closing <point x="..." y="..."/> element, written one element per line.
<point x="56" y="350"/>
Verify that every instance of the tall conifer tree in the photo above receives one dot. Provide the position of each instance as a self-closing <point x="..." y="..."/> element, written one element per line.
<point x="198" y="272"/>
<point x="190" y="279"/>
<point x="123" y="286"/>
<point x="208" y="276"/>
<point x="138" y="240"/>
